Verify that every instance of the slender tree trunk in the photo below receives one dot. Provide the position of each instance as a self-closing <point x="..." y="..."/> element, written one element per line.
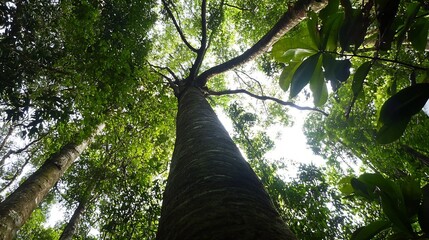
<point x="18" y="206"/>
<point x="72" y="225"/>
<point x="212" y="193"/>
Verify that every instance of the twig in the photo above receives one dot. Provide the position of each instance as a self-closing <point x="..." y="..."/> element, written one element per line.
<point x="170" y="81"/>
<point x="408" y="65"/>
<point x="238" y="7"/>
<point x="263" y="98"/>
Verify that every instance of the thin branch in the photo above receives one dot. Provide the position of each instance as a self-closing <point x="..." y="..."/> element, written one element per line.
<point x="291" y="18"/>
<point x="408" y="65"/>
<point x="10" y="152"/>
<point x="176" y="25"/>
<point x="165" y="68"/>
<point x="8" y="134"/>
<point x="238" y="7"/>
<point x="263" y="98"/>
<point x="17" y="173"/>
<point x="252" y="78"/>
<point x="171" y="83"/>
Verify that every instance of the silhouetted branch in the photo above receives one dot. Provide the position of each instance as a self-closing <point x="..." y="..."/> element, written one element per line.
<point x="263" y="98"/>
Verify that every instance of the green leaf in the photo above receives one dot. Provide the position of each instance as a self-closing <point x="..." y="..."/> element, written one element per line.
<point x="313" y="29"/>
<point x="345" y="185"/>
<point x="287" y="74"/>
<point x="411" y="13"/>
<point x="303" y="74"/>
<point x="405" y="103"/>
<point x="362" y="189"/>
<point x="423" y="214"/>
<point x="370" y="230"/>
<point x="329" y="31"/>
<point x="418" y="34"/>
<point x="318" y="85"/>
<point x="353" y="30"/>
<point x="412" y="193"/>
<point x="386" y="12"/>
<point x="329" y="10"/>
<point x="390" y="132"/>
<point x="329" y="63"/>
<point x="342" y="70"/>
<point x="296" y="54"/>
<point x="359" y="78"/>
<point x="396" y="213"/>
<point x="287" y="49"/>
<point x="392" y="200"/>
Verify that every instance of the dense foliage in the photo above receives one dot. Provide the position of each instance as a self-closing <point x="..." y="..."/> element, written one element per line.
<point x="67" y="66"/>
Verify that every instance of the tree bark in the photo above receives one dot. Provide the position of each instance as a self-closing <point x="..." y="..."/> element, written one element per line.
<point x="71" y="226"/>
<point x="18" y="206"/>
<point x="212" y="192"/>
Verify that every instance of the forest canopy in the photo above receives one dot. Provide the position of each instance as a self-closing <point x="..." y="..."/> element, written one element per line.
<point x="108" y="112"/>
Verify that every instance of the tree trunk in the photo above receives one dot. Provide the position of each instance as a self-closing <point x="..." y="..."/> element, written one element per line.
<point x="18" y="206"/>
<point x="71" y="226"/>
<point x="212" y="193"/>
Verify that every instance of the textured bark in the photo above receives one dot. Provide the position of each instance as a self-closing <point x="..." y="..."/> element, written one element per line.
<point x="18" y="206"/>
<point x="212" y="193"/>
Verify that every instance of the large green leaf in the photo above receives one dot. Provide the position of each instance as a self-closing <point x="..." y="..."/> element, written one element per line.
<point x="405" y="103"/>
<point x="313" y="28"/>
<point x="330" y="30"/>
<point x="303" y="74"/>
<point x="412" y="193"/>
<point x="423" y="214"/>
<point x="396" y="212"/>
<point x="345" y="186"/>
<point x="318" y="85"/>
<point x="418" y="34"/>
<point x="352" y="30"/>
<point x="387" y="186"/>
<point x="369" y="231"/>
<point x="386" y="11"/>
<point x="288" y="49"/>
<point x="359" y="77"/>
<point x="362" y="189"/>
<point x="392" y="200"/>
<point x="329" y="10"/>
<point x="342" y="69"/>
<point x="411" y="13"/>
<point x="392" y="131"/>
<point x="287" y="74"/>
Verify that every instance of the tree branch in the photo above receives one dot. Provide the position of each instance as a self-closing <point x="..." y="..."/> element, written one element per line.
<point x="238" y="7"/>
<point x="291" y="18"/>
<point x="202" y="50"/>
<point x="171" y="83"/>
<point x="176" y="25"/>
<point x="263" y="98"/>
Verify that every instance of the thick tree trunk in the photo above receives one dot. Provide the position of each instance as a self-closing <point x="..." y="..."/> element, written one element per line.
<point x="212" y="193"/>
<point x="18" y="206"/>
